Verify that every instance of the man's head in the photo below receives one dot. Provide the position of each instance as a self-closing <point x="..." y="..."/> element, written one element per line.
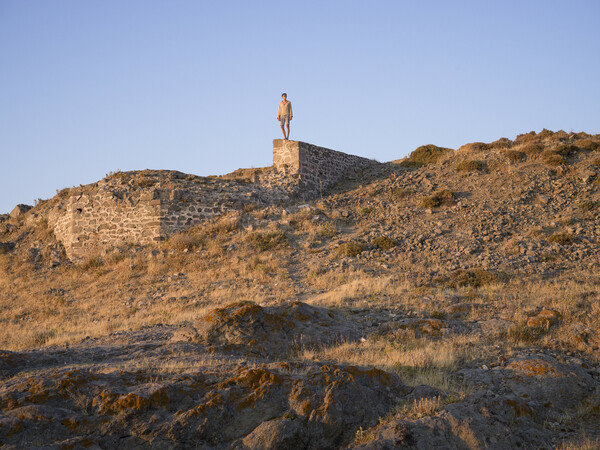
<point x="284" y="96"/>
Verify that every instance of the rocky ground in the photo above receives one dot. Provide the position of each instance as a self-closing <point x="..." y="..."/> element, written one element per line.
<point x="447" y="300"/>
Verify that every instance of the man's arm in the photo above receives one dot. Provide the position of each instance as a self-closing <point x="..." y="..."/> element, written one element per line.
<point x="291" y="115"/>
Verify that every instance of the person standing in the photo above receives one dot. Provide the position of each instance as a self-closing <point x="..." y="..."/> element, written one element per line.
<point x="284" y="115"/>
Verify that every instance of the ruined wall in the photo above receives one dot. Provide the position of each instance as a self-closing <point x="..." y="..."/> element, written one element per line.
<point x="317" y="167"/>
<point x="103" y="218"/>
<point x="144" y="207"/>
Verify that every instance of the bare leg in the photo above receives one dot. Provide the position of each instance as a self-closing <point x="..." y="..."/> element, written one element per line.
<point x="288" y="129"/>
<point x="283" y="131"/>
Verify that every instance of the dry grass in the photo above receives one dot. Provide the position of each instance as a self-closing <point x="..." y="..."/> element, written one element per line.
<point x="443" y="197"/>
<point x="472" y="165"/>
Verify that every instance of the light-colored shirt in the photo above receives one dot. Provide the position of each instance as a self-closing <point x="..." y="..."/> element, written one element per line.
<point x="285" y="109"/>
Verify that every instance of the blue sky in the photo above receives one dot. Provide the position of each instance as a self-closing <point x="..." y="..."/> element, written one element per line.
<point x="88" y="87"/>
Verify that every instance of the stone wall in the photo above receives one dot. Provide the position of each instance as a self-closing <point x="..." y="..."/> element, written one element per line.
<point x="144" y="207"/>
<point x="317" y="167"/>
<point x="131" y="209"/>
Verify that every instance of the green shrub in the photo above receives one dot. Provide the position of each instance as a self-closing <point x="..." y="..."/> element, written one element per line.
<point x="350" y="249"/>
<point x="514" y="155"/>
<point x="264" y="241"/>
<point x="561" y="238"/>
<point x="443" y="197"/>
<point x="384" y="243"/>
<point x="470" y="166"/>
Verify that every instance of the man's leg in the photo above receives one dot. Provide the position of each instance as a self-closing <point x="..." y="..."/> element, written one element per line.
<point x="288" y="129"/>
<point x="283" y="131"/>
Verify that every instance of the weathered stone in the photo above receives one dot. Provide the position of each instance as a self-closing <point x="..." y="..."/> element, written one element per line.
<point x="19" y="210"/>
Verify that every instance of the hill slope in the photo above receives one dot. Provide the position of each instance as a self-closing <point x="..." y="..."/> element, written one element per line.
<point x="450" y="298"/>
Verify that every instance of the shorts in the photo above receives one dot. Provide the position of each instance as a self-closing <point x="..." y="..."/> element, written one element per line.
<point x="284" y="120"/>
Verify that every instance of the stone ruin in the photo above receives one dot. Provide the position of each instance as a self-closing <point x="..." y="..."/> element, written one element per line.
<point x="145" y="207"/>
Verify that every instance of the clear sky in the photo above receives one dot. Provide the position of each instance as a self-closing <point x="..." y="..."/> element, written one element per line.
<point x="88" y="87"/>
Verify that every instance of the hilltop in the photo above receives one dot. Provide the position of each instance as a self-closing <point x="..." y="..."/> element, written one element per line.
<point x="449" y="298"/>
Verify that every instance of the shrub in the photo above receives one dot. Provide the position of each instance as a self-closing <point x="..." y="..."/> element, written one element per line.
<point x="589" y="206"/>
<point x="350" y="249"/>
<point x="587" y="144"/>
<point x="384" y="243"/>
<point x="552" y="158"/>
<point x="531" y="149"/>
<point x="544" y="134"/>
<point x="264" y="241"/>
<point x="425" y="154"/>
<point x="514" y="155"/>
<point x="565" y="150"/>
<point x="443" y="197"/>
<point x="596" y="162"/>
<point x="502" y="143"/>
<point x="474" y="147"/>
<point x="182" y="242"/>
<point x="561" y="238"/>
<point x="526" y="137"/>
<point x="470" y="166"/>
<point x="474" y="278"/>
<point x="399" y="193"/>
<point x="524" y="334"/>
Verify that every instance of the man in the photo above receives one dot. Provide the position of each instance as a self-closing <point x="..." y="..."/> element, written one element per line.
<point x="284" y="115"/>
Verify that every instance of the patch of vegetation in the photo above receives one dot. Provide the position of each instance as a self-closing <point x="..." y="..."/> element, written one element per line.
<point x="92" y="263"/>
<point x="425" y="154"/>
<point x="524" y="334"/>
<point x="474" y="278"/>
<point x="63" y="193"/>
<point x="269" y="240"/>
<point x="351" y="248"/>
<point x="552" y="158"/>
<point x="589" y="205"/>
<point x="565" y="150"/>
<point x="532" y="149"/>
<point x="470" y="166"/>
<point x="182" y="242"/>
<point x="474" y="147"/>
<point x="384" y="243"/>
<point x="561" y="238"/>
<point x="588" y="144"/>
<point x="514" y="155"/>
<point x="596" y="162"/>
<point x="399" y="193"/>
<point x="443" y="197"/>
<point x="502" y="143"/>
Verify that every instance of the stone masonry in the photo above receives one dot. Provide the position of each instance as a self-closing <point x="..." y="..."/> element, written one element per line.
<point x="145" y="207"/>
<point x="317" y="167"/>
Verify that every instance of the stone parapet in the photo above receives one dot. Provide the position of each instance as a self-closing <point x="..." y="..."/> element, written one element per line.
<point x="317" y="167"/>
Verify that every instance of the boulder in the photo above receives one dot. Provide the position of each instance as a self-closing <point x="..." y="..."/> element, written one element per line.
<point x="19" y="210"/>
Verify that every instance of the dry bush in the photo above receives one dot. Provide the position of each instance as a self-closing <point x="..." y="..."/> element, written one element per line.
<point x="473" y="278"/>
<point x="182" y="241"/>
<point x="399" y="193"/>
<point x="425" y="154"/>
<point x="552" y="158"/>
<point x="470" y="166"/>
<point x="514" y="155"/>
<point x="589" y="205"/>
<point x="545" y="134"/>
<point x="443" y="197"/>
<point x="524" y="334"/>
<point x="384" y="243"/>
<point x="532" y="149"/>
<point x="587" y="144"/>
<point x="596" y="162"/>
<point x="526" y="137"/>
<point x="351" y="248"/>
<point x="501" y="144"/>
<point x="266" y="240"/>
<point x="561" y="238"/>
<point x="474" y="147"/>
